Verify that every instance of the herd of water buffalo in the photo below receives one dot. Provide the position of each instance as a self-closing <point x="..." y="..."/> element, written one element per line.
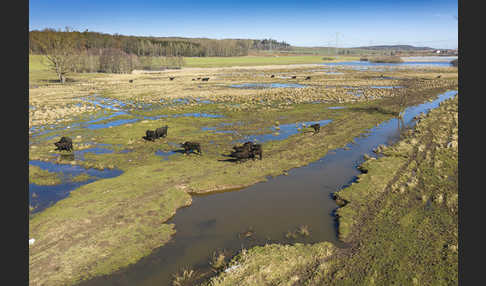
<point x="248" y="150"/>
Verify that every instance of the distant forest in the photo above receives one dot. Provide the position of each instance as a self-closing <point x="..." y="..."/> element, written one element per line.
<point x="156" y="46"/>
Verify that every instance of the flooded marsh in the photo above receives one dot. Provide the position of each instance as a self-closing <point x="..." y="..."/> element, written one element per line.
<point x="142" y="206"/>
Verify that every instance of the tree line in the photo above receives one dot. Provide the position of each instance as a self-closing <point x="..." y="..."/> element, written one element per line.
<point x="157" y="46"/>
<point x="73" y="51"/>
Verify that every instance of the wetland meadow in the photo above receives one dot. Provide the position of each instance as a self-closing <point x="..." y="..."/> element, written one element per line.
<point x="349" y="205"/>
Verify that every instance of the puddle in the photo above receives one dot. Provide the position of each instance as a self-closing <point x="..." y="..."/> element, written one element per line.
<point x="49" y="195"/>
<point x="267" y="85"/>
<point x="165" y="154"/>
<point x="337" y="107"/>
<point x="385" y="87"/>
<point x="285" y="131"/>
<point x="207" y="115"/>
<point x="270" y="209"/>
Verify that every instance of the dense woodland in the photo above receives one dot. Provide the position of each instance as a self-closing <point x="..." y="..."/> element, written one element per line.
<point x="157" y="46"/>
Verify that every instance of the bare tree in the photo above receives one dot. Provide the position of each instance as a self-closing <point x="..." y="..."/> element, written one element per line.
<point x="60" y="52"/>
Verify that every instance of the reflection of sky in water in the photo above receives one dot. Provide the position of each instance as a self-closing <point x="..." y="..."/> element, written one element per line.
<point x="48" y="195"/>
<point x="266" y="85"/>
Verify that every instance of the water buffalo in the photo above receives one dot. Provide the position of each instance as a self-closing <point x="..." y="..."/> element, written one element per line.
<point x="242" y="154"/>
<point x="171" y="78"/>
<point x="64" y="144"/>
<point x="246" y="151"/>
<point x="246" y="146"/>
<point x="256" y="149"/>
<point x="272" y="76"/>
<point x="130" y="81"/>
<point x="161" y="132"/>
<point x="205" y="79"/>
<point x="150" y="135"/>
<point x="294" y="76"/>
<point x="198" y="78"/>
<point x="191" y="146"/>
<point x="307" y="78"/>
<point x="317" y="127"/>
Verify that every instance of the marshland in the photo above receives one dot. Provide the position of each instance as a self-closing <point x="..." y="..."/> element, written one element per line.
<point x="156" y="210"/>
<point x="236" y="161"/>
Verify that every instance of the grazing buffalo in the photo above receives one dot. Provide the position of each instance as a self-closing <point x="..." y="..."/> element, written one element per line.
<point x="317" y="127"/>
<point x="150" y="135"/>
<point x="198" y="78"/>
<point x="191" y="146"/>
<point x="171" y="78"/>
<point x="257" y="150"/>
<point x="246" y="146"/>
<point x="205" y="79"/>
<point x="161" y="132"/>
<point x="438" y="76"/>
<point x="272" y="76"/>
<point x="307" y="78"/>
<point x="242" y="155"/>
<point x="294" y="76"/>
<point x="64" y="144"/>
<point x="130" y="81"/>
<point x="193" y="79"/>
<point x="246" y="151"/>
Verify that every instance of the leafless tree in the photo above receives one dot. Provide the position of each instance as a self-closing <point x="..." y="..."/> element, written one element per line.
<point x="60" y="52"/>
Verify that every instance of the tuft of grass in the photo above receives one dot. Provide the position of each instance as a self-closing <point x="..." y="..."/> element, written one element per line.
<point x="217" y="260"/>
<point x="304" y="230"/>
<point x="185" y="277"/>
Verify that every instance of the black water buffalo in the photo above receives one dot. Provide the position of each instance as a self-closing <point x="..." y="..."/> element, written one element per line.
<point x="256" y="149"/>
<point x="272" y="76"/>
<point x="64" y="144"/>
<point x="307" y="78"/>
<point x="438" y="76"/>
<point x="205" y="79"/>
<point x="317" y="127"/>
<point x="130" y="81"/>
<point x="242" y="154"/>
<point x="191" y="146"/>
<point x="161" y="132"/>
<point x="150" y="135"/>
<point x="246" y="146"/>
<point x="294" y="76"/>
<point x="246" y="151"/>
<point x="198" y="78"/>
<point x="171" y="78"/>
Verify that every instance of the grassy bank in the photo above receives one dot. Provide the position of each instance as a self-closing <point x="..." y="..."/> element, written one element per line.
<point x="400" y="219"/>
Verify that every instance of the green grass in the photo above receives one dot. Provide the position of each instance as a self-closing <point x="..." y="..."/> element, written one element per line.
<point x="255" y="61"/>
<point x="43" y="177"/>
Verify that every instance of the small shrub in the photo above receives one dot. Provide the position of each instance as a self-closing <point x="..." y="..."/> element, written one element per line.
<point x="185" y="277"/>
<point x="304" y="230"/>
<point x="217" y="260"/>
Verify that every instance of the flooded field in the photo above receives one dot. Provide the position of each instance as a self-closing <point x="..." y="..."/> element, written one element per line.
<point x="271" y="209"/>
<point x="162" y="210"/>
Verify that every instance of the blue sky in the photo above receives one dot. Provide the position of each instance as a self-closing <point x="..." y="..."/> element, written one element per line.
<point x="300" y="23"/>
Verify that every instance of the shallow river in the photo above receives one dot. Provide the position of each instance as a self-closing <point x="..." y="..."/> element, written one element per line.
<point x="269" y="209"/>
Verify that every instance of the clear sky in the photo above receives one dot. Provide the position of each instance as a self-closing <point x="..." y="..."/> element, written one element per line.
<point x="430" y="23"/>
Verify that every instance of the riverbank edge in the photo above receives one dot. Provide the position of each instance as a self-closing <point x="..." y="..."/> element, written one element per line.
<point x="250" y="265"/>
